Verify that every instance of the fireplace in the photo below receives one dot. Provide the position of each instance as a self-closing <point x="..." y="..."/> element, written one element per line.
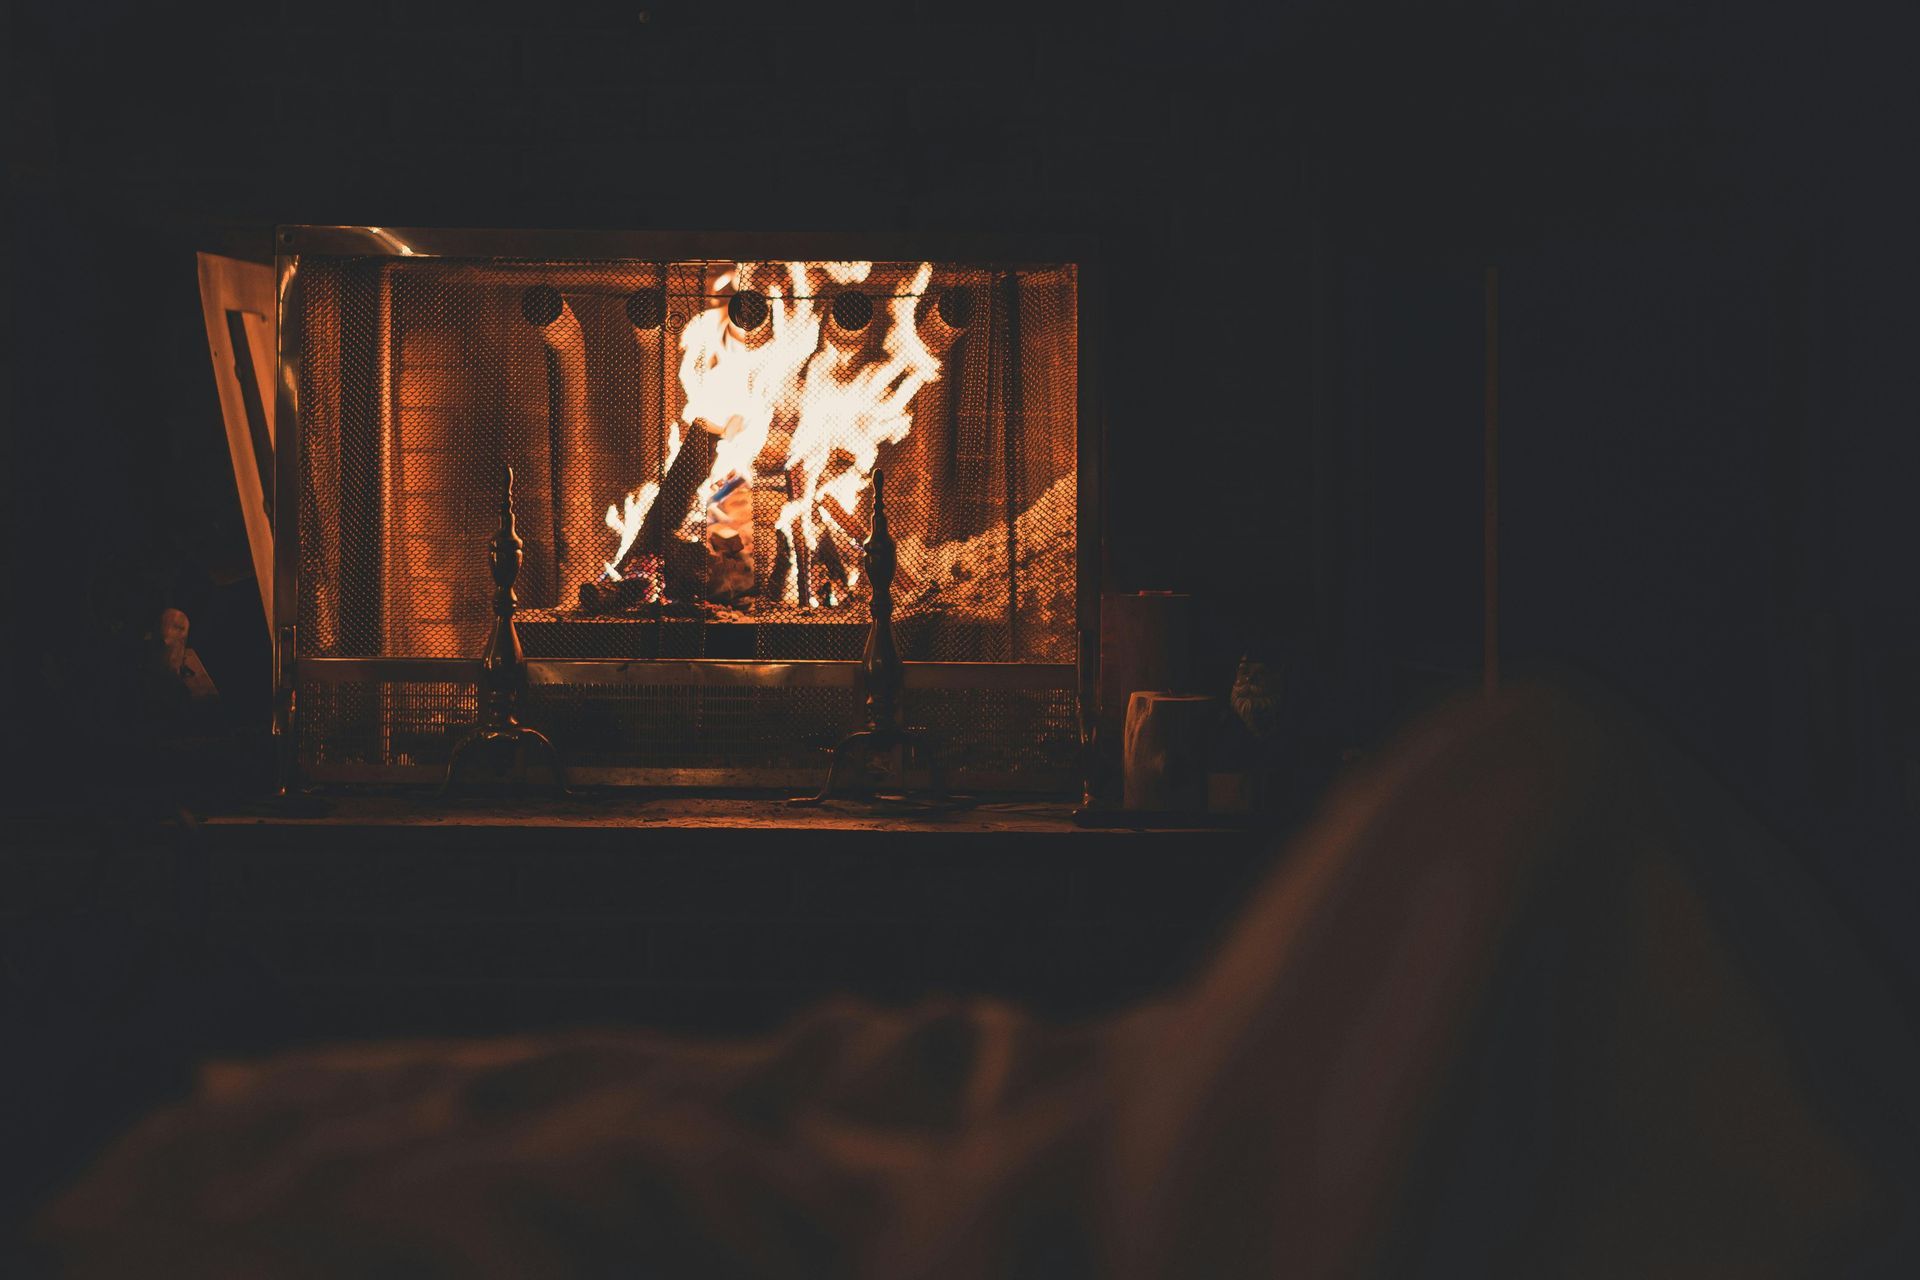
<point x="692" y="423"/>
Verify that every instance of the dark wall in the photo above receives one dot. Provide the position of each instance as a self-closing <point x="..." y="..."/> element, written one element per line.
<point x="1703" y="286"/>
<point x="1698" y="218"/>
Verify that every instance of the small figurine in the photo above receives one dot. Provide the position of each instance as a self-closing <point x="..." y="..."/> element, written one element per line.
<point x="176" y="694"/>
<point x="1247" y="752"/>
<point x="173" y="657"/>
<point x="1256" y="698"/>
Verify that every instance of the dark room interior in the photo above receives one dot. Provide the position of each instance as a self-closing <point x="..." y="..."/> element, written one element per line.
<point x="1396" y="748"/>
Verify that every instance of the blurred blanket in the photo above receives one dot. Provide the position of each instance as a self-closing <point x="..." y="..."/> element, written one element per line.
<point x="1529" y="997"/>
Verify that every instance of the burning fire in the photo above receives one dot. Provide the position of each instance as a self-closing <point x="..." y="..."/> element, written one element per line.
<point x="626" y="523"/>
<point x="799" y="395"/>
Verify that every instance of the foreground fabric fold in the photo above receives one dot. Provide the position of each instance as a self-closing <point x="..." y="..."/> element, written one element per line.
<point x="1530" y="997"/>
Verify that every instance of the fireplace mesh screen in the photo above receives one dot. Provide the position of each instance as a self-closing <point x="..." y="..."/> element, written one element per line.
<point x="720" y="420"/>
<point x="381" y="725"/>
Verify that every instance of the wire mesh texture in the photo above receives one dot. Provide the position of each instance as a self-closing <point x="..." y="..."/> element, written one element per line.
<point x="692" y="444"/>
<point x="404" y="724"/>
<point x="371" y="728"/>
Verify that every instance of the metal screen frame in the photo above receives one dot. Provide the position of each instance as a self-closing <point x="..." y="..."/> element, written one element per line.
<point x="293" y="243"/>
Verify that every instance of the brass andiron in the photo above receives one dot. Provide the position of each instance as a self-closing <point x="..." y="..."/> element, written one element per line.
<point x="881" y="673"/>
<point x="499" y="743"/>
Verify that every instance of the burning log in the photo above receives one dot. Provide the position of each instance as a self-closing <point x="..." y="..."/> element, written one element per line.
<point x="658" y="555"/>
<point x="678" y="490"/>
<point x="684" y="569"/>
<point x="615" y="597"/>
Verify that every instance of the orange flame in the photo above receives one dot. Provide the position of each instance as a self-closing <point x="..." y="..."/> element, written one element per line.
<point x="832" y="398"/>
